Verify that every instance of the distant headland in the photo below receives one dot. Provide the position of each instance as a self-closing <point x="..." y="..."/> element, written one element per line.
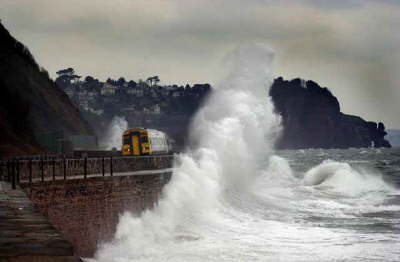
<point x="312" y="118"/>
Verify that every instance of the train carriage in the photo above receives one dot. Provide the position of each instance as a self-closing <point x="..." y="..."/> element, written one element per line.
<point x="142" y="141"/>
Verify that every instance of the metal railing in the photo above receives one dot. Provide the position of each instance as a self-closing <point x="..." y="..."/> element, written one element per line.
<point x="28" y="171"/>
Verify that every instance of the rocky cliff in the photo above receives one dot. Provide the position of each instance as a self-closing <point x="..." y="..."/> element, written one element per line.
<point x="311" y="118"/>
<point x="30" y="103"/>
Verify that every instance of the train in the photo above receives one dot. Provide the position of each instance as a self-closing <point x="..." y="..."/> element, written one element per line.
<point x="143" y="141"/>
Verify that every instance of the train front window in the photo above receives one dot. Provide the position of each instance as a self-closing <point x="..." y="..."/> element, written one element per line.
<point x="126" y="140"/>
<point x="144" y="139"/>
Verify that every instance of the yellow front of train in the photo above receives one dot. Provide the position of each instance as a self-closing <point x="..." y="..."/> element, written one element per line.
<point x="135" y="142"/>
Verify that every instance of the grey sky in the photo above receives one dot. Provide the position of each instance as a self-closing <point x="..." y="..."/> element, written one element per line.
<point x="351" y="46"/>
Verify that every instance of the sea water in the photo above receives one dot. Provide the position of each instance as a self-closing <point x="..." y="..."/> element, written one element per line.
<point x="232" y="197"/>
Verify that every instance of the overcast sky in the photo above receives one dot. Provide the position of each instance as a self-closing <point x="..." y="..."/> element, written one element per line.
<point x="351" y="47"/>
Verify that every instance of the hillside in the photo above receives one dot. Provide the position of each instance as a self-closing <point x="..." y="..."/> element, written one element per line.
<point x="141" y="103"/>
<point x="31" y="105"/>
<point x="312" y="118"/>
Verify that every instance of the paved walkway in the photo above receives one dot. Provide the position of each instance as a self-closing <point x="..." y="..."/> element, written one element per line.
<point x="25" y="234"/>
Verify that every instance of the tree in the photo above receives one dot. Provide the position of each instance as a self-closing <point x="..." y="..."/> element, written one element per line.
<point x="68" y="71"/>
<point x="121" y="81"/>
<point x="66" y="77"/>
<point x="142" y="83"/>
<point x="149" y="81"/>
<point x="153" y="80"/>
<point x="75" y="78"/>
<point x="132" y="84"/>
<point x="91" y="84"/>
<point x="110" y="81"/>
<point x="89" y="79"/>
<point x="156" y="80"/>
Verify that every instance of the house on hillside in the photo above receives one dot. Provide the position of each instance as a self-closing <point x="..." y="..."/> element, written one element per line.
<point x="171" y="88"/>
<point x="92" y="96"/>
<point x="108" y="89"/>
<point x="153" y="110"/>
<point x="70" y="91"/>
<point x="98" y="112"/>
<point x="83" y="99"/>
<point x="84" y="104"/>
<point x="177" y="93"/>
<point x="164" y="92"/>
<point x="135" y="91"/>
<point x="153" y="93"/>
<point x="129" y="109"/>
<point x="156" y="109"/>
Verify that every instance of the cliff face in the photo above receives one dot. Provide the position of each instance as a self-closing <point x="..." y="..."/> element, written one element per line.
<point x="30" y="103"/>
<point x="311" y="118"/>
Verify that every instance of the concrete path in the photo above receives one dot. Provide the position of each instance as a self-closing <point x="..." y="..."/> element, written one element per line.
<point x="25" y="234"/>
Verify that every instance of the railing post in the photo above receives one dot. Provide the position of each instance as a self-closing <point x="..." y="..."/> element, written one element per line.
<point x="65" y="169"/>
<point x="30" y="170"/>
<point x="53" y="163"/>
<point x="13" y="174"/>
<point x="42" y="168"/>
<point x="8" y="172"/>
<point x="111" y="166"/>
<point x="85" y="168"/>
<point x="102" y="166"/>
<point x="1" y="171"/>
<point x="17" y="163"/>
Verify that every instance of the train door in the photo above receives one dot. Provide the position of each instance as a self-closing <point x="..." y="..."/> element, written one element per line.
<point x="136" y="145"/>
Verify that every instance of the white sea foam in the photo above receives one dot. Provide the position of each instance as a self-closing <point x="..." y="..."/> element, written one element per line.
<point x="342" y="178"/>
<point x="230" y="199"/>
<point x="112" y="138"/>
<point x="234" y="133"/>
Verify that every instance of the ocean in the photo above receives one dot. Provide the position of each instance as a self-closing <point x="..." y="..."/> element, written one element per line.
<point x="233" y="197"/>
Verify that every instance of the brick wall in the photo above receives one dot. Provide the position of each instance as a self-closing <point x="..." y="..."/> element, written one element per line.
<point x="86" y="211"/>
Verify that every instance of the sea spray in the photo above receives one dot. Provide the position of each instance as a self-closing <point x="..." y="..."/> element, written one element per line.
<point x="234" y="134"/>
<point x="212" y="211"/>
<point x="342" y="178"/>
<point x="114" y="132"/>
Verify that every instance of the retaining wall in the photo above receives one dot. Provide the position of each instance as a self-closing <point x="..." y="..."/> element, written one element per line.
<point x="87" y="210"/>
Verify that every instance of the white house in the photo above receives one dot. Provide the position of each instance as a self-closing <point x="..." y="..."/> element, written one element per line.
<point x="135" y="91"/>
<point x="156" y="109"/>
<point x="129" y="109"/>
<point x="83" y="99"/>
<point x="91" y="96"/>
<point x="176" y="93"/>
<point x="108" y="89"/>
<point x="69" y="91"/>
<point x="97" y="112"/>
<point x="84" y="104"/>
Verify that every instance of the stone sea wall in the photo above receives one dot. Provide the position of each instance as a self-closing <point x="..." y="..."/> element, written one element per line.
<point x="86" y="211"/>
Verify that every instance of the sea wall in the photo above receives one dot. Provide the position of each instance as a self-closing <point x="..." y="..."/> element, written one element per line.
<point x="25" y="234"/>
<point x="86" y="211"/>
